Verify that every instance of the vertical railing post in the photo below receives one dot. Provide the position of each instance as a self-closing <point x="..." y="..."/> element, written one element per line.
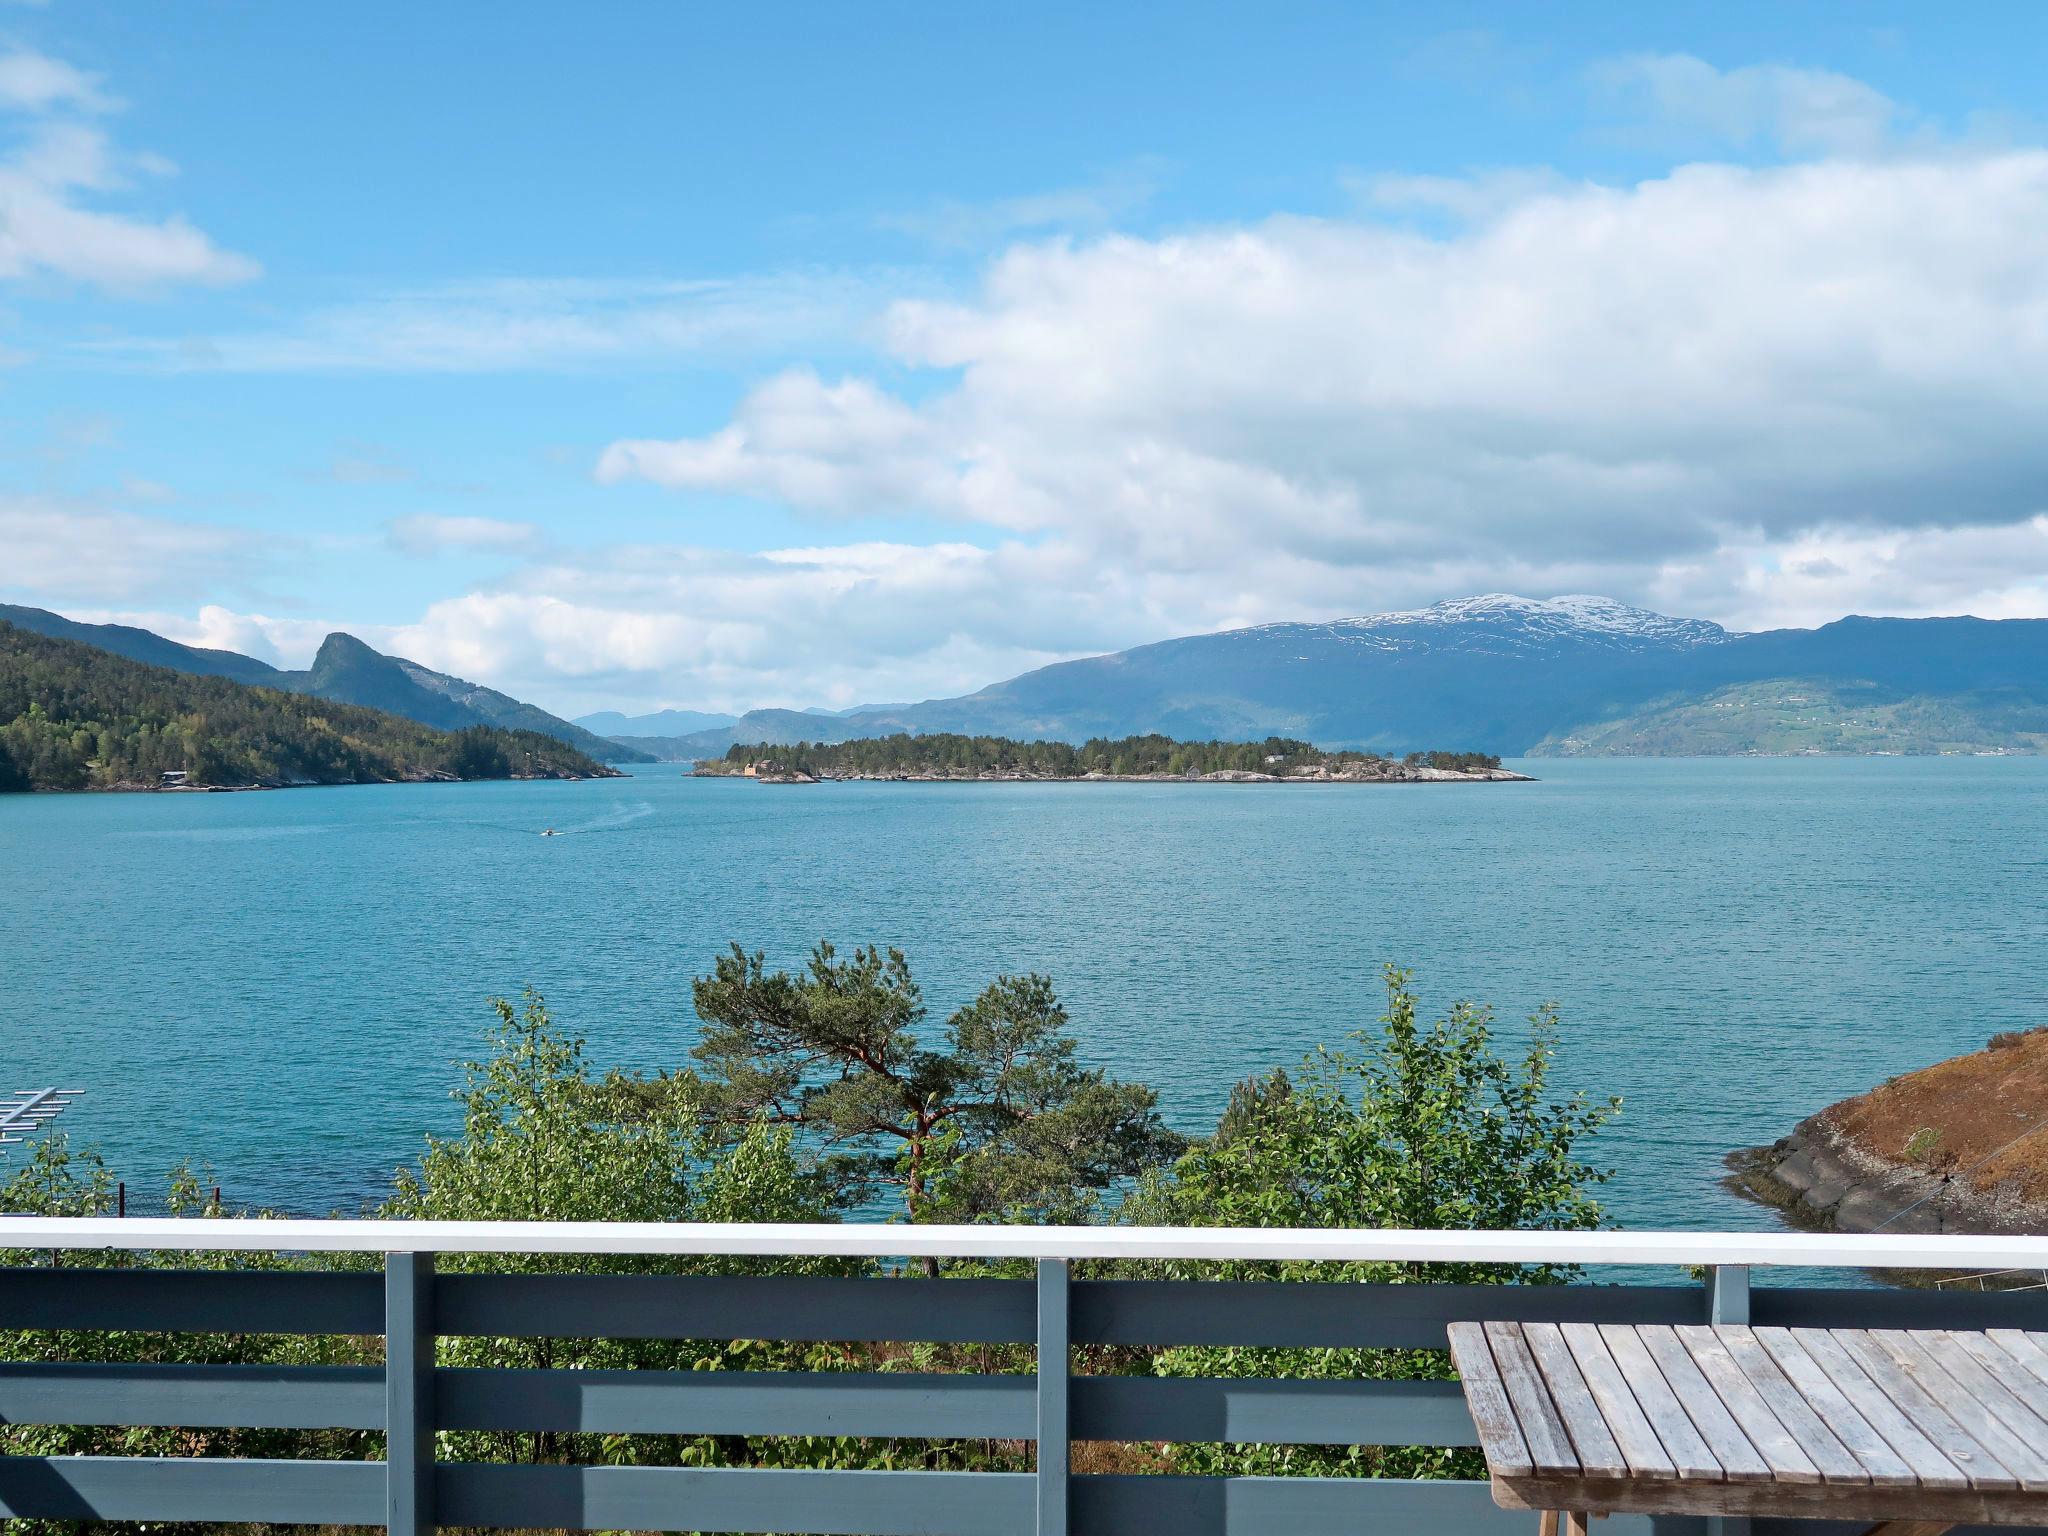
<point x="1728" y="1293"/>
<point x="409" y="1394"/>
<point x="1728" y="1302"/>
<point x="1054" y="1364"/>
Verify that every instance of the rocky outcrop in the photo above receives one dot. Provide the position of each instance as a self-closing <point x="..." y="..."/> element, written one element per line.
<point x="1950" y="1148"/>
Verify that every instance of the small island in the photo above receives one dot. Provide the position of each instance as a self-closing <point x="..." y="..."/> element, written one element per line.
<point x="1949" y="1148"/>
<point x="946" y="758"/>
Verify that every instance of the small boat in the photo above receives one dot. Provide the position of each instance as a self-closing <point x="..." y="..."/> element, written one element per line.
<point x="550" y="832"/>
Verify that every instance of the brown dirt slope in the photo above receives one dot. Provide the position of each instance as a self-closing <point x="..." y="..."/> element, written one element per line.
<point x="1957" y="1117"/>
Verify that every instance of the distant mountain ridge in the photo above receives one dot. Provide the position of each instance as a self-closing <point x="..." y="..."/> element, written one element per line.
<point x="664" y="722"/>
<point x="80" y="716"/>
<point x="345" y="670"/>
<point x="1492" y="673"/>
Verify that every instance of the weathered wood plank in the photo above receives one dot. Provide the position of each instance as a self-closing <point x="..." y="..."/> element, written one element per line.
<point x="1780" y="1447"/>
<point x="1507" y="1452"/>
<point x="1839" y="1390"/>
<point x="1683" y="1444"/>
<point x="1978" y="1462"/>
<point x="2029" y="1349"/>
<point x="1599" y="1454"/>
<point x="1936" y="1449"/>
<point x="2013" y="1376"/>
<point x="1617" y="1405"/>
<point x="1971" y="1396"/>
<point x="1813" y="1501"/>
<point x="1543" y="1430"/>
<point x="1740" y="1461"/>
<point x="1807" y="1403"/>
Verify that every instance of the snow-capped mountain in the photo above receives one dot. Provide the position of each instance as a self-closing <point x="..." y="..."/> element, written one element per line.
<point x="1500" y="620"/>
<point x="1492" y="673"/>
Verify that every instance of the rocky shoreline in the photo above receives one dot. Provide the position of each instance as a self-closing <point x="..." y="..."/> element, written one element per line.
<point x="1825" y="1183"/>
<point x="1950" y="1148"/>
<point x="768" y="771"/>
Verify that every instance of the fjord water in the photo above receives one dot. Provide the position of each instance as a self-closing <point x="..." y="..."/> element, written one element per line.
<point x="278" y="984"/>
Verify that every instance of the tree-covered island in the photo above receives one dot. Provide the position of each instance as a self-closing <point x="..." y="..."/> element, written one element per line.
<point x="73" y="716"/>
<point x="944" y="756"/>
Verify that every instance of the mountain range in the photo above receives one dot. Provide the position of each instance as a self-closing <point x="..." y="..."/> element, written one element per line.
<point x="1494" y="673"/>
<point x="1509" y="675"/>
<point x="345" y="670"/>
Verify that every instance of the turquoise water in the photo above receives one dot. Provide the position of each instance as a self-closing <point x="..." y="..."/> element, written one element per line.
<point x="277" y="984"/>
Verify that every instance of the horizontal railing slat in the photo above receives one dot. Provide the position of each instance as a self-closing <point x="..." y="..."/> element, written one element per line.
<point x="1271" y="1412"/>
<point x="192" y="1300"/>
<point x="926" y="1407"/>
<point x="194" y="1396"/>
<point x="1326" y="1315"/>
<point x="1113" y="1505"/>
<point x="151" y="1488"/>
<point x="1804" y="1307"/>
<point x="735" y="1307"/>
<point x="814" y="1503"/>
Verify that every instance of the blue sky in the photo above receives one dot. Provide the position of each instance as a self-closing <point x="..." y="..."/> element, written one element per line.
<point x="630" y="356"/>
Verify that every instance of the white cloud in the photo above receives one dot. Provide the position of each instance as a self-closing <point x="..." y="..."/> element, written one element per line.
<point x="59" y="550"/>
<point x="1799" y="111"/>
<point x="530" y="323"/>
<point x="427" y="534"/>
<point x="1092" y="206"/>
<point x="32" y="82"/>
<point x="283" y="642"/>
<point x="46" y="227"/>
<point x="836" y="625"/>
<point x="1821" y="574"/>
<point x="1581" y="388"/>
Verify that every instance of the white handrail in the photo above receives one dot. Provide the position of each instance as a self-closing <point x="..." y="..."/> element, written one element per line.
<point x="877" y="1240"/>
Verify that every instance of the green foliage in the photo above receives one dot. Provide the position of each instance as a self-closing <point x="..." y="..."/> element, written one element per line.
<point x="76" y="717"/>
<point x="538" y="1144"/>
<point x="814" y="1091"/>
<point x="944" y="754"/>
<point x="1424" y="1126"/>
<point x="1000" y="1122"/>
<point x="60" y="1180"/>
<point x="1455" y="762"/>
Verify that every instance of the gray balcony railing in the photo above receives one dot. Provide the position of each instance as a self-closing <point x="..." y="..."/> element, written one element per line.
<point x="410" y="1398"/>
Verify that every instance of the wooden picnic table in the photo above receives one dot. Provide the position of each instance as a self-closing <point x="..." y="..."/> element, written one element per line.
<point x="1915" y="1431"/>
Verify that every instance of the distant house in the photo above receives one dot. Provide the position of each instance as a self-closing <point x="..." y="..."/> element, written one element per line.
<point x="173" y="778"/>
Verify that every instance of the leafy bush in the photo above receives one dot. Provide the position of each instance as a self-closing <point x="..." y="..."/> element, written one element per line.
<point x="1424" y="1126"/>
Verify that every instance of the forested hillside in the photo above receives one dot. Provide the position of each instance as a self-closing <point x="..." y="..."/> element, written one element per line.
<point x="75" y="717"/>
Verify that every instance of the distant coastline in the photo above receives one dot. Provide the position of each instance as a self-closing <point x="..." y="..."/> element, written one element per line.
<point x="135" y="787"/>
<point x="952" y="759"/>
<point x="720" y="770"/>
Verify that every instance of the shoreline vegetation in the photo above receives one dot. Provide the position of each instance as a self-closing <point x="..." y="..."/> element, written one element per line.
<point x="832" y="1091"/>
<point x="943" y="757"/>
<point x="75" y="717"/>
